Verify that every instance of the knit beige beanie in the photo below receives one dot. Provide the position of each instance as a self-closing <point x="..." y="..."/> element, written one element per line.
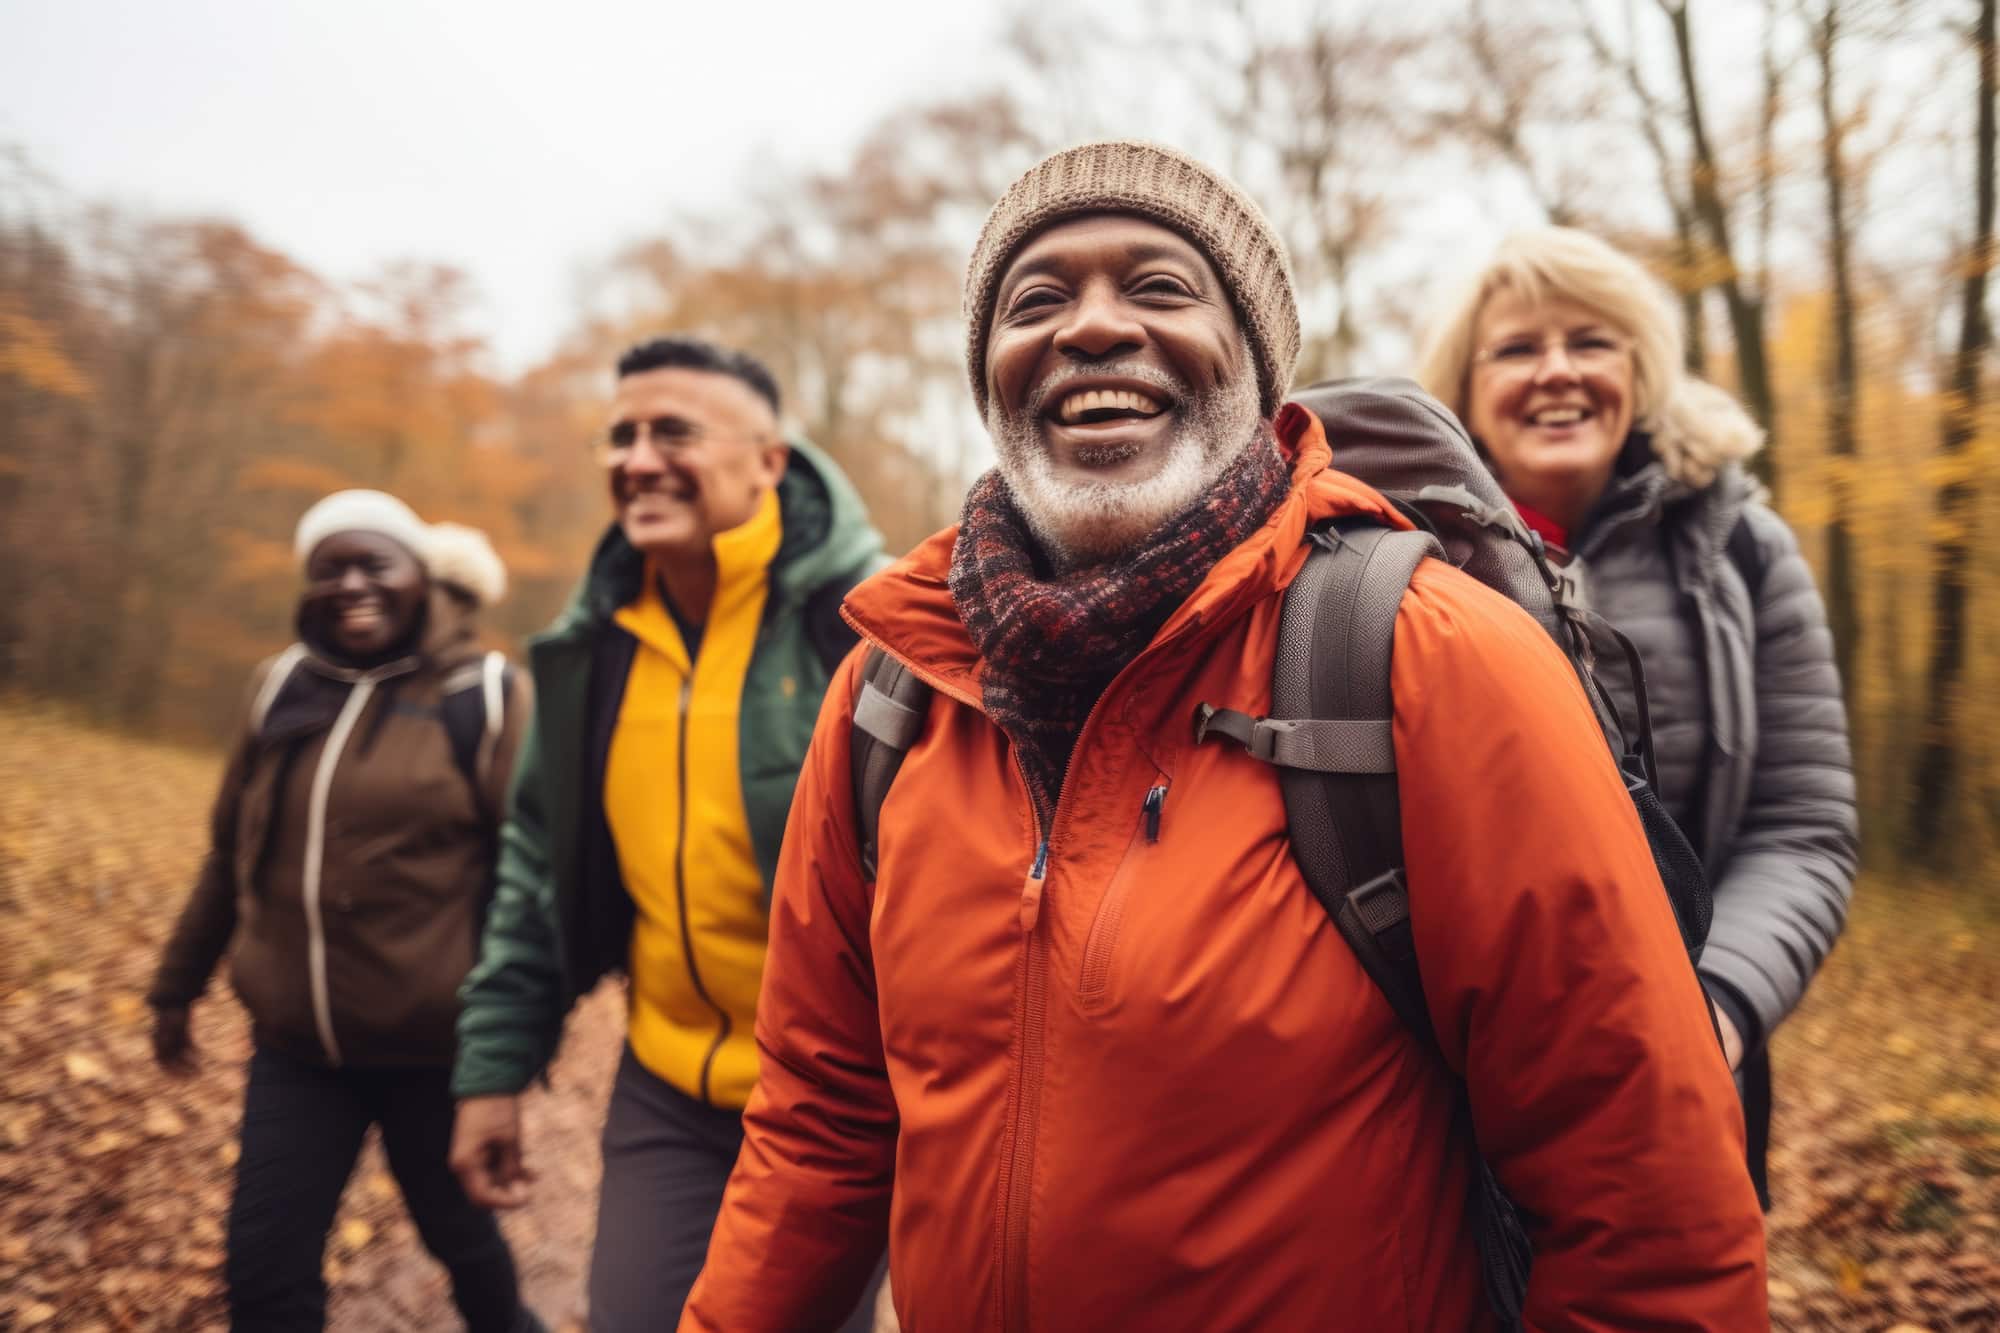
<point x="1162" y="186"/>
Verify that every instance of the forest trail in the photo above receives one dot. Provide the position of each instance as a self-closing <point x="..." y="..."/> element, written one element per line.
<point x="114" y="1178"/>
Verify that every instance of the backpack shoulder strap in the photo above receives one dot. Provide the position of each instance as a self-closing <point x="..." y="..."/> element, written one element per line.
<point x="274" y="684"/>
<point x="474" y="711"/>
<point x="889" y="711"/>
<point x="1332" y="741"/>
<point x="1336" y="641"/>
<point x="1747" y="557"/>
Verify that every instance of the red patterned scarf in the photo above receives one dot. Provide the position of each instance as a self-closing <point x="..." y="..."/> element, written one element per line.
<point x="1051" y="643"/>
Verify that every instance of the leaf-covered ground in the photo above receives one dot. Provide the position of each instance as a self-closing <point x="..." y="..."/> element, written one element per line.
<point x="114" y="1178"/>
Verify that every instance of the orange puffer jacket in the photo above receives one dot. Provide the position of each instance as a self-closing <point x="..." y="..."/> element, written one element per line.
<point x="1138" y="1084"/>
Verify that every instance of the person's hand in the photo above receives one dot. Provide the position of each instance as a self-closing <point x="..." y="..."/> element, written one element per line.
<point x="173" y="1046"/>
<point x="486" y="1152"/>
<point x="1732" y="1040"/>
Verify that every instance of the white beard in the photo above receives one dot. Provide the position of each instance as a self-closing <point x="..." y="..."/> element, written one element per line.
<point x="1083" y="522"/>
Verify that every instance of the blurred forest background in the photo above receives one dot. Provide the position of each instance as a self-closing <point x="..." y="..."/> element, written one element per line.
<point x="1815" y="177"/>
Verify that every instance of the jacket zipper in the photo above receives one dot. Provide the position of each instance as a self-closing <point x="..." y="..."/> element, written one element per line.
<point x="1034" y="1038"/>
<point x="1027" y="1102"/>
<point x="681" y="895"/>
<point x="1020" y="1148"/>
<point x="322" y="786"/>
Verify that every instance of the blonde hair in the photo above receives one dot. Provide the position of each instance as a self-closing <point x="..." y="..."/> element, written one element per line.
<point x="1695" y="427"/>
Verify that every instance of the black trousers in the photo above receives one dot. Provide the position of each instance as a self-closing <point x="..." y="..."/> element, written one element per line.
<point x="666" y="1160"/>
<point x="302" y="1128"/>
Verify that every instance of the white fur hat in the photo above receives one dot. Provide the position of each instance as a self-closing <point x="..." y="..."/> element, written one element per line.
<point x="464" y="558"/>
<point x="359" y="511"/>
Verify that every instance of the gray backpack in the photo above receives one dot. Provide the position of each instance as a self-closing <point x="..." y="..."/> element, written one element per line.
<point x="1330" y="729"/>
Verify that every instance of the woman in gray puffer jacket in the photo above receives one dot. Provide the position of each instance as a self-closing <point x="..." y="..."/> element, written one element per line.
<point x="1564" y="360"/>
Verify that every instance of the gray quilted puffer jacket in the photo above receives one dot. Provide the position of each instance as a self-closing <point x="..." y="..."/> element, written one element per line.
<point x="1748" y="722"/>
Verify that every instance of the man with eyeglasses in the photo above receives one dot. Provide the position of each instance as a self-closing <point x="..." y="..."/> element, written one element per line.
<point x="675" y="698"/>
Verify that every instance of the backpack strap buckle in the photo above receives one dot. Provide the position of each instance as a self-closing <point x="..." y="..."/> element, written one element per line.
<point x="1375" y="920"/>
<point x="1312" y="745"/>
<point x="1382" y="907"/>
<point x="1260" y="737"/>
<point x="1390" y="888"/>
<point x="1223" y="722"/>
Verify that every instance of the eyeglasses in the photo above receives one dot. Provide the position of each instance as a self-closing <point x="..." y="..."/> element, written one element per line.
<point x="668" y="435"/>
<point x="1586" y="351"/>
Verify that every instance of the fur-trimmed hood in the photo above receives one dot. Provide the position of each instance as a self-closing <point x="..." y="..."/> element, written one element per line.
<point x="1699" y="429"/>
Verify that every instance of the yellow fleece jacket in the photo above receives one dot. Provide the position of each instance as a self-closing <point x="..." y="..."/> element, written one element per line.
<point x="673" y="796"/>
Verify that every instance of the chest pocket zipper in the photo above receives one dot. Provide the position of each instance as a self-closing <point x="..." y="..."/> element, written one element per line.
<point x="1101" y="944"/>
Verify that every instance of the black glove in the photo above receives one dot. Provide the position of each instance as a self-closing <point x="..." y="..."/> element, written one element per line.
<point x="173" y="1045"/>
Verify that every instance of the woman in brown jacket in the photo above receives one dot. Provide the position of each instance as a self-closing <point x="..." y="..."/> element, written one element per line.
<point x="352" y="851"/>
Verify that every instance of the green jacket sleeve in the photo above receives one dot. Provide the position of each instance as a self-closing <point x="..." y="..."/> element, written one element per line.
<point x="514" y="1000"/>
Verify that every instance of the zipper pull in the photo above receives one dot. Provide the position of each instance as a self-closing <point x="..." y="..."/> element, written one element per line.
<point x="1156" y="801"/>
<point x="1031" y="892"/>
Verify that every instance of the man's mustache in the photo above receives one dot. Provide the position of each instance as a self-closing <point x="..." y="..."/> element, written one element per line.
<point x="625" y="486"/>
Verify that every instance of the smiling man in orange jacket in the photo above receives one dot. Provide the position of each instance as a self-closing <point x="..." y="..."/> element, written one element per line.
<point x="1123" y="1071"/>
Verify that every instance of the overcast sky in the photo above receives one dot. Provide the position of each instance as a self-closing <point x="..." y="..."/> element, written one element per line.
<point x="516" y="140"/>
<point x="524" y="141"/>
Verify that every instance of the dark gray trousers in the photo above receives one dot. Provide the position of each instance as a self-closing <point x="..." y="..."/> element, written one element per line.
<point x="302" y="1126"/>
<point x="667" y="1158"/>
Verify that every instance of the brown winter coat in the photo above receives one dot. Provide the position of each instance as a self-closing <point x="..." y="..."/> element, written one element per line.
<point x="352" y="956"/>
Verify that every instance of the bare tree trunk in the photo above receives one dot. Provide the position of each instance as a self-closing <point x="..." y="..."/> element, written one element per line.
<point x="1687" y="253"/>
<point x="1746" y="308"/>
<point x="1687" y="245"/>
<point x="1938" y="773"/>
<point x="1842" y="576"/>
<point x="1767" y="143"/>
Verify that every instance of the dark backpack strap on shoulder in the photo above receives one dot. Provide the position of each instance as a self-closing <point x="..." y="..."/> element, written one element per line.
<point x="889" y="710"/>
<point x="1335" y="642"/>
<point x="474" y="710"/>
<point x="1331" y="737"/>
<point x="1747" y="557"/>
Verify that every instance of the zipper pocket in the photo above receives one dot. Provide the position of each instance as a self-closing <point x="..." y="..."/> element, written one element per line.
<point x="1102" y="942"/>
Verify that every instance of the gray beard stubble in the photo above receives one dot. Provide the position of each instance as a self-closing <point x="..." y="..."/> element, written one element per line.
<point x="1081" y="523"/>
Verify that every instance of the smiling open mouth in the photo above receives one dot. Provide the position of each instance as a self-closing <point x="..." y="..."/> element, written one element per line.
<point x="1560" y="416"/>
<point x="1092" y="406"/>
